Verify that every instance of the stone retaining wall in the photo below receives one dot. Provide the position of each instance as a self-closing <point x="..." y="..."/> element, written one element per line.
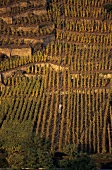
<point x="4" y="10"/>
<point x="30" y="28"/>
<point x="34" y="11"/>
<point x="39" y="11"/>
<point x="16" y="51"/>
<point x="21" y="52"/>
<point x="7" y="19"/>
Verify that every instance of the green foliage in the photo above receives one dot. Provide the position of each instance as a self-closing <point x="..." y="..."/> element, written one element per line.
<point x="71" y="151"/>
<point x="13" y="134"/>
<point x="38" y="154"/>
<point x="75" y="160"/>
<point x="108" y="7"/>
<point x="24" y="148"/>
<point x="3" y="163"/>
<point x="16" y="160"/>
<point x="80" y="163"/>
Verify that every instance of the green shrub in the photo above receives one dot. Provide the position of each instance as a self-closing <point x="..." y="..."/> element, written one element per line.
<point x="75" y="160"/>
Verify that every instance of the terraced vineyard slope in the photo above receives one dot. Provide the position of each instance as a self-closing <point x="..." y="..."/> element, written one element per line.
<point x="65" y="90"/>
<point x="25" y="27"/>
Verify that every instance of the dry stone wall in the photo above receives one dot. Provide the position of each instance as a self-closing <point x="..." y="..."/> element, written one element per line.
<point x="23" y="30"/>
<point x="16" y="51"/>
<point x="32" y="40"/>
<point x="4" y="10"/>
<point x="7" y="19"/>
<point x="6" y="51"/>
<point x="40" y="12"/>
<point x="30" y="28"/>
<point x="34" y="11"/>
<point x="21" y="52"/>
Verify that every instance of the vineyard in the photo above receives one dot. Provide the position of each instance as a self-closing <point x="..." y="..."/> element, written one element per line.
<point x="24" y="24"/>
<point x="64" y="87"/>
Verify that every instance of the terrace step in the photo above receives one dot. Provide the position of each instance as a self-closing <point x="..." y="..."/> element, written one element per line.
<point x="20" y="51"/>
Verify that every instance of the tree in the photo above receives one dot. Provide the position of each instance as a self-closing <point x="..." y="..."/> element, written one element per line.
<point x="25" y="149"/>
<point x="74" y="160"/>
<point x="3" y="161"/>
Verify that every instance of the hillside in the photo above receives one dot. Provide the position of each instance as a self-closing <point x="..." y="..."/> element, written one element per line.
<point x="26" y="27"/>
<point x="64" y="86"/>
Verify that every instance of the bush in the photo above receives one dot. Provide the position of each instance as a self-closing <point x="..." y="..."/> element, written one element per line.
<point x="83" y="162"/>
<point x="75" y="160"/>
<point x="25" y="149"/>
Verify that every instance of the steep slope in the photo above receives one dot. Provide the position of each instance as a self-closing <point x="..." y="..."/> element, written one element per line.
<point x="65" y="91"/>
